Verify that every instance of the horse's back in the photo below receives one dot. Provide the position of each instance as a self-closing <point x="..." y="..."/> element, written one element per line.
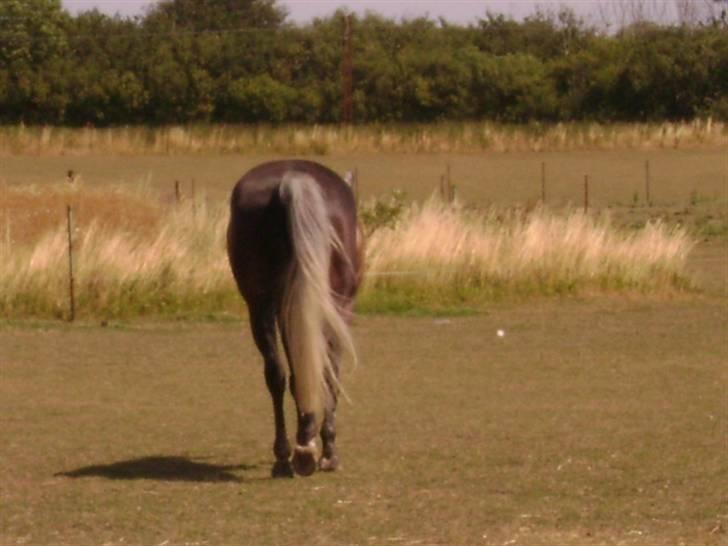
<point x="258" y="183"/>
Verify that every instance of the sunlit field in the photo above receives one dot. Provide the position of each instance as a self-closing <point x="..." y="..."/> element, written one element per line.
<point x="530" y="372"/>
<point x="149" y="212"/>
<point x="445" y="254"/>
<point x="322" y="140"/>
<point x="135" y="255"/>
<point x="585" y="424"/>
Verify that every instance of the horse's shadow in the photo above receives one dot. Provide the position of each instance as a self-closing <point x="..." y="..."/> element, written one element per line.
<point x="162" y="468"/>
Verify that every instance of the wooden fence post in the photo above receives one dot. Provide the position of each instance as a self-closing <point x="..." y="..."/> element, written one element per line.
<point x="71" y="292"/>
<point x="648" y="199"/>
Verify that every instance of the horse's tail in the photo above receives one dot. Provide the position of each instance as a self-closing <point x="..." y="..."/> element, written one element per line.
<point x="310" y="316"/>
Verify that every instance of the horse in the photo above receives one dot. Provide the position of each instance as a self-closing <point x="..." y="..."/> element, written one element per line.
<point x="295" y="251"/>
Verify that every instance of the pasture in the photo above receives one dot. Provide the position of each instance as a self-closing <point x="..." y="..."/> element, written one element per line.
<point x="678" y="177"/>
<point x="593" y="420"/>
<point x="600" y="422"/>
<point x="687" y="185"/>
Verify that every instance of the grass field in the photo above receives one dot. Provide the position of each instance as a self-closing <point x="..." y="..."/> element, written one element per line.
<point x="688" y="185"/>
<point x="133" y="257"/>
<point x="123" y="204"/>
<point x="485" y="177"/>
<point x="600" y="422"/>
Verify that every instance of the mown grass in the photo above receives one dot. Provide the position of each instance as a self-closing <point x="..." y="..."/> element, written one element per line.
<point x="323" y="140"/>
<point x="135" y="255"/>
<point x="588" y="423"/>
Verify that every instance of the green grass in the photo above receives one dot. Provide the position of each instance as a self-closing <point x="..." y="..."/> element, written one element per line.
<point x="586" y="424"/>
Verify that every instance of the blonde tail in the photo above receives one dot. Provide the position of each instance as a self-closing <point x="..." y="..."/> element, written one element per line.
<point x="310" y="316"/>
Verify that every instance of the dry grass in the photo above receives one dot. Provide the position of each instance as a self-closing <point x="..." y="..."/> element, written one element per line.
<point x="321" y="140"/>
<point x="30" y="211"/>
<point x="136" y="255"/>
<point x="133" y="255"/>
<point x="447" y="253"/>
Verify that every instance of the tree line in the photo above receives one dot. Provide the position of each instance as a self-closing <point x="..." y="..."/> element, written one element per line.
<point x="242" y="61"/>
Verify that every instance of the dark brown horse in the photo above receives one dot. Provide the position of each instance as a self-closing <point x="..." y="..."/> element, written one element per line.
<point x="294" y="251"/>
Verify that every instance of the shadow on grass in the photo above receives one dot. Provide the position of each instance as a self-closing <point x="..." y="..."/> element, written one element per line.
<point x="161" y="468"/>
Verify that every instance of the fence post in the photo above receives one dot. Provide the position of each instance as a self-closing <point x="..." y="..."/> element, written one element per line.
<point x="177" y="195"/>
<point x="449" y="183"/>
<point x="586" y="193"/>
<point x="71" y="293"/>
<point x="648" y="200"/>
<point x="543" y="182"/>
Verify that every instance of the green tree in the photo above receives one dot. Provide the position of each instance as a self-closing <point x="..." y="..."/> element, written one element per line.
<point x="260" y="99"/>
<point x="216" y="15"/>
<point x="33" y="60"/>
<point x="106" y="53"/>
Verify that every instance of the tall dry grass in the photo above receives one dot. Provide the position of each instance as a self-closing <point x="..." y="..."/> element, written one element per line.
<point x="441" y="254"/>
<point x="321" y="140"/>
<point x="137" y="255"/>
<point x="170" y="260"/>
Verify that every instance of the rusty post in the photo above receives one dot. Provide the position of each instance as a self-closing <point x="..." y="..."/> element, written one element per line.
<point x="71" y="291"/>
<point x="648" y="199"/>
<point x="448" y="181"/>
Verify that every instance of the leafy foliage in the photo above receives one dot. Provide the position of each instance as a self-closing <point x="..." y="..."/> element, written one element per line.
<point x="240" y="61"/>
<point x="383" y="212"/>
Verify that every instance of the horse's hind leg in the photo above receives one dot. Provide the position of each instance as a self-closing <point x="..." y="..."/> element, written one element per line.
<point x="263" y="325"/>
<point x="329" y="460"/>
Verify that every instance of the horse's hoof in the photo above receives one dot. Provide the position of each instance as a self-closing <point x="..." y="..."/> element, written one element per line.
<point x="304" y="459"/>
<point x="281" y="469"/>
<point x="329" y="464"/>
